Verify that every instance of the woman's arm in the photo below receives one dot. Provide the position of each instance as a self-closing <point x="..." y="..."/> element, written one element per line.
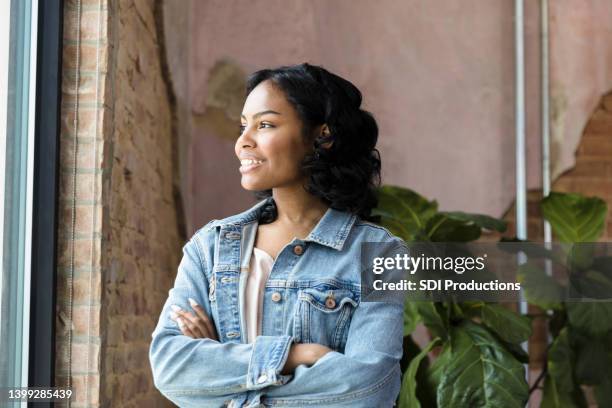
<point x="204" y="372"/>
<point x="368" y="372"/>
<point x="197" y="325"/>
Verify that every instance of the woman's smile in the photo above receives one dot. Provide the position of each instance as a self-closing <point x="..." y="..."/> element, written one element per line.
<point x="247" y="165"/>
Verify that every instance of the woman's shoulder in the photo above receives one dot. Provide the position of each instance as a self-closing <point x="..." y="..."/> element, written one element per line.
<point x="371" y="232"/>
<point x="244" y="217"/>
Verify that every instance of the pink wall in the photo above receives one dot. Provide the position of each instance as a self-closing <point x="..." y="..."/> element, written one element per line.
<point x="581" y="70"/>
<point x="438" y="76"/>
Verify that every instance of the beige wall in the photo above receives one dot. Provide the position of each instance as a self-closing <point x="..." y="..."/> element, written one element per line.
<point x="438" y="76"/>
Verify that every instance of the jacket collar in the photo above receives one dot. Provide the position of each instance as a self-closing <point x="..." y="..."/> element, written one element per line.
<point x="331" y="230"/>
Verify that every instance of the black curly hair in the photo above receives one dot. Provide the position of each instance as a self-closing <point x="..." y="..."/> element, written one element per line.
<point x="344" y="175"/>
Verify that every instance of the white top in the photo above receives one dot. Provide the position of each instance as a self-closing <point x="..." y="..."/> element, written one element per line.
<point x="259" y="270"/>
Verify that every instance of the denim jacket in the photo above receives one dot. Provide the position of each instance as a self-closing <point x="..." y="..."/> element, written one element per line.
<point x="313" y="295"/>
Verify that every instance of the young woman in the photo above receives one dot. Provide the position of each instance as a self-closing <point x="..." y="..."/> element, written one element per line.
<point x="267" y="306"/>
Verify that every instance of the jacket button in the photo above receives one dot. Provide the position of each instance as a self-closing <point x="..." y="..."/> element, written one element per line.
<point x="276" y="297"/>
<point x="262" y="379"/>
<point x="298" y="250"/>
<point x="330" y="302"/>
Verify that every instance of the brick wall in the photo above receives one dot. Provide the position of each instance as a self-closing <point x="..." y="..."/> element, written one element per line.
<point x="119" y="239"/>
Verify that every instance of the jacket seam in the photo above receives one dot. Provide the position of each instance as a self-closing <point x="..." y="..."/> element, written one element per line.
<point x="206" y="391"/>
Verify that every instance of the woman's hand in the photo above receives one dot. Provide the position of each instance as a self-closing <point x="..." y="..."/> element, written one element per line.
<point x="300" y="353"/>
<point x="198" y="326"/>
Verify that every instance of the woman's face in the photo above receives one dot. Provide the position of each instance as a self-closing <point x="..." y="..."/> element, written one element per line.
<point x="270" y="147"/>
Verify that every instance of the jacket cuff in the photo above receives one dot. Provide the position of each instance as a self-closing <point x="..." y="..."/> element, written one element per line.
<point x="237" y="402"/>
<point x="267" y="361"/>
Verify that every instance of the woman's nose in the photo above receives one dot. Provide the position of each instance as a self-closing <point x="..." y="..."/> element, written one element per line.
<point x="246" y="139"/>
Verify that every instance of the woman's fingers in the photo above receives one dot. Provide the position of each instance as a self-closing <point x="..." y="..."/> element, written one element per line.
<point x="184" y="329"/>
<point x="192" y="322"/>
<point x="202" y="315"/>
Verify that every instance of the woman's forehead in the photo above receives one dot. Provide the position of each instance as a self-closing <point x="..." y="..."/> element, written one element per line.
<point x="265" y="97"/>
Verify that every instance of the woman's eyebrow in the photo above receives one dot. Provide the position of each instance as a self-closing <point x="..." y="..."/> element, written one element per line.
<point x="255" y="116"/>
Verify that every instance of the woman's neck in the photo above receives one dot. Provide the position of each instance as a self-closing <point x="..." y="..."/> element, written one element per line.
<point x="295" y="206"/>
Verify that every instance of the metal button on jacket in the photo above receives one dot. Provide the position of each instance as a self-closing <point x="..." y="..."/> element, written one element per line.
<point x="262" y="378"/>
<point x="276" y="297"/>
<point x="298" y="250"/>
<point x="330" y="302"/>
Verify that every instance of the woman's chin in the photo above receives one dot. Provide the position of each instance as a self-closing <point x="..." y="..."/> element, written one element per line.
<point x="252" y="185"/>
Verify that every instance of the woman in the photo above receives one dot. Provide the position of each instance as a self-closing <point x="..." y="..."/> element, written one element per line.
<point x="267" y="307"/>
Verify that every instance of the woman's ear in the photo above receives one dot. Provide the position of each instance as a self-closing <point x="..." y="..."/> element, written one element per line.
<point x="325" y="134"/>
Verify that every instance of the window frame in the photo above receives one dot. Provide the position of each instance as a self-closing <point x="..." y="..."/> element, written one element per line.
<point x="46" y="195"/>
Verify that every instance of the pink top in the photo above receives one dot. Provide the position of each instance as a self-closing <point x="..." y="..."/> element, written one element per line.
<point x="259" y="270"/>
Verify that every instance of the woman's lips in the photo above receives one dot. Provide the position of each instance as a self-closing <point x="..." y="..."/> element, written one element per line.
<point x="249" y="165"/>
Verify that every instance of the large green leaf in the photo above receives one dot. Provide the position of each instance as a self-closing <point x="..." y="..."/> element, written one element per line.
<point x="594" y="318"/>
<point x="411" y="317"/>
<point x="539" y="288"/>
<point x="441" y="228"/>
<point x="560" y="390"/>
<point x="481" y="372"/>
<point x="561" y="361"/>
<point x="437" y="368"/>
<point x="480" y="220"/>
<point x="510" y="326"/>
<point x="592" y="360"/>
<point x="590" y="285"/>
<point x="434" y="317"/>
<point x="575" y="218"/>
<point x="554" y="396"/>
<point x="404" y="212"/>
<point x="408" y="397"/>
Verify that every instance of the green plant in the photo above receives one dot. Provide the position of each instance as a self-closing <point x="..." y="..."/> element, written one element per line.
<point x="480" y="361"/>
<point x="581" y="350"/>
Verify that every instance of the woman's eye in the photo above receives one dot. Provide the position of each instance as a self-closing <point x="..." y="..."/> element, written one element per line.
<point x="260" y="125"/>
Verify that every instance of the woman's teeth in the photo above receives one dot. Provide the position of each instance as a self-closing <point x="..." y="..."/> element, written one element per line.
<point x="248" y="162"/>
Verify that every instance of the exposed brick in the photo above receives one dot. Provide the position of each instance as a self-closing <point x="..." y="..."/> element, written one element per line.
<point x="596" y="145"/>
<point x="125" y="266"/>
<point x="600" y="122"/>
<point x="607" y="102"/>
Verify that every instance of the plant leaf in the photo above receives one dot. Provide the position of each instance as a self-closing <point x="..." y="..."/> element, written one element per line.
<point x="480" y="220"/>
<point x="510" y="326"/>
<point x="594" y="318"/>
<point x="437" y="368"/>
<point x="408" y="398"/>
<point x="411" y="317"/>
<point x="432" y="317"/>
<point x="404" y="211"/>
<point x="592" y="360"/>
<point x="573" y="217"/>
<point x="539" y="288"/>
<point x="554" y="397"/>
<point x="481" y="372"/>
<point x="561" y="361"/>
<point x="441" y="228"/>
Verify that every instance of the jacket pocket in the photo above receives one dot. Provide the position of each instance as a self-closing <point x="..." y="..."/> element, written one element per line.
<point x="324" y="314"/>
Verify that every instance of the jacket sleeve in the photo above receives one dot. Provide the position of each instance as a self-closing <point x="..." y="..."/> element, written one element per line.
<point x="367" y="374"/>
<point x="205" y="372"/>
